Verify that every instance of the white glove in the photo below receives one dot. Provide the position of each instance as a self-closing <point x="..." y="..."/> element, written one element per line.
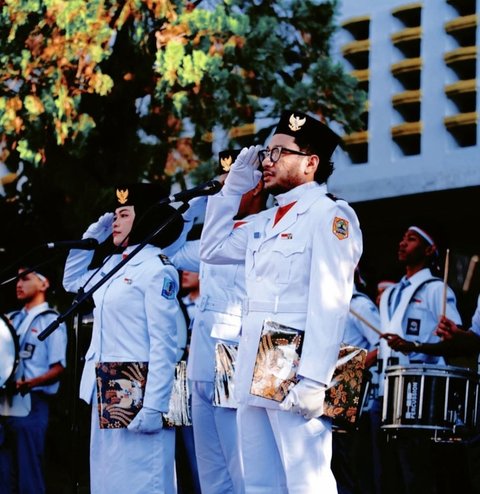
<point x="243" y="175"/>
<point x="305" y="398"/>
<point x="197" y="207"/>
<point x="101" y="229"/>
<point x="147" y="421"/>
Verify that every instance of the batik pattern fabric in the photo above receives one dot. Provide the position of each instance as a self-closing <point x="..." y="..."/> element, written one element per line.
<point x="343" y="398"/>
<point x="277" y="361"/>
<point x="120" y="390"/>
<point x="278" y="358"/>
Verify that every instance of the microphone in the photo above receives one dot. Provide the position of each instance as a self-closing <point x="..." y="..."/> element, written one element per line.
<point x="207" y="189"/>
<point x="84" y="244"/>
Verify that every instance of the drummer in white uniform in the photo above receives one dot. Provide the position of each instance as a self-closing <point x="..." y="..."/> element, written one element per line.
<point x="409" y="314"/>
<point x="135" y="322"/>
<point x="299" y="263"/>
<point x="217" y="319"/>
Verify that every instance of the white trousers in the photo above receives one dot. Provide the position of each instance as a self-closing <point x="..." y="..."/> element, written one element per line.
<point x="124" y="462"/>
<point x="216" y="443"/>
<point x="284" y="453"/>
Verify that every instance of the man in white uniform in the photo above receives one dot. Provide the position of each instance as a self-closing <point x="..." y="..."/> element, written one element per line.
<point x="217" y="319"/>
<point x="299" y="263"/>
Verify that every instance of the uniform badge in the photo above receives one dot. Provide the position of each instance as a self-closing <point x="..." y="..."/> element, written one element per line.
<point x="256" y="234"/>
<point x="169" y="289"/>
<point x="122" y="196"/>
<point x="226" y="163"/>
<point x="413" y="326"/>
<point x="27" y="352"/>
<point x="128" y="281"/>
<point x="165" y="259"/>
<point x="286" y="236"/>
<point x="296" y="123"/>
<point x="340" y="228"/>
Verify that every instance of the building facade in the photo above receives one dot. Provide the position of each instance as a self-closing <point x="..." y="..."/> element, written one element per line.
<point x="418" y="156"/>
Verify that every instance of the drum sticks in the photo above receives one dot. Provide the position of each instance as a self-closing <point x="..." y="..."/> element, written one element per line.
<point x="367" y="323"/>
<point x="468" y="277"/>
<point x="445" y="280"/>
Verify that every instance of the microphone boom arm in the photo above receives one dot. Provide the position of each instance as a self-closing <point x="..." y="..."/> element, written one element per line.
<point x="85" y="295"/>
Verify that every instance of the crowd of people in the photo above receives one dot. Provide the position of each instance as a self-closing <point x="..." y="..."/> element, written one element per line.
<point x="293" y="267"/>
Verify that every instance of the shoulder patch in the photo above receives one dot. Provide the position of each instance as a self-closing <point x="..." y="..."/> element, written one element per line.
<point x="169" y="289"/>
<point x="340" y="228"/>
<point x="165" y="260"/>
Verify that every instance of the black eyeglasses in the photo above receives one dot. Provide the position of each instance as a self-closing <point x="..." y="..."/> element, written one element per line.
<point x="275" y="153"/>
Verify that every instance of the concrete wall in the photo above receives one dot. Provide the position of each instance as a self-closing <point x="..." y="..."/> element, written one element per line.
<point x="442" y="164"/>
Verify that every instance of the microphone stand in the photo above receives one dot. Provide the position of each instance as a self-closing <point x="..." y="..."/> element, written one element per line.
<point x="74" y="418"/>
<point x="75" y="309"/>
<point x="25" y="272"/>
<point x="85" y="295"/>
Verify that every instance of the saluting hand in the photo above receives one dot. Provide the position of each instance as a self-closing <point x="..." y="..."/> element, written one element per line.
<point x="243" y="175"/>
<point x="101" y="229"/>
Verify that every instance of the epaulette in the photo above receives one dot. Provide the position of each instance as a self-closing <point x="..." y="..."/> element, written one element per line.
<point x="165" y="260"/>
<point x="333" y="197"/>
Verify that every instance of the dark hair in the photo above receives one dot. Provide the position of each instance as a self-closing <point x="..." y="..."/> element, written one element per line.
<point x="47" y="271"/>
<point x="325" y="165"/>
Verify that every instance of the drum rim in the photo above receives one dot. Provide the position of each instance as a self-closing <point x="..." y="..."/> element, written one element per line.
<point x="436" y="370"/>
<point x="16" y="345"/>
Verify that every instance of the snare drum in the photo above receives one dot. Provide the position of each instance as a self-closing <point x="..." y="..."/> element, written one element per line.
<point x="439" y="401"/>
<point x="8" y="351"/>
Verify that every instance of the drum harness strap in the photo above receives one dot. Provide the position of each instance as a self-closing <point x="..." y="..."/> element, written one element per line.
<point x="391" y="360"/>
<point x="24" y="335"/>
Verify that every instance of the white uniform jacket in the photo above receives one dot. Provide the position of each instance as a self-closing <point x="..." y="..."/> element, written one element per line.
<point x="218" y="315"/>
<point x="298" y="273"/>
<point x="416" y="316"/>
<point x="134" y="318"/>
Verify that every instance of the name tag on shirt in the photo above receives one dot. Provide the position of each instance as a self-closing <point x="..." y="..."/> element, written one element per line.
<point x="413" y="326"/>
<point x="27" y="352"/>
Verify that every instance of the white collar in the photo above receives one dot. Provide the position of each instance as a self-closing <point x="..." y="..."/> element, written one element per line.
<point x="298" y="192"/>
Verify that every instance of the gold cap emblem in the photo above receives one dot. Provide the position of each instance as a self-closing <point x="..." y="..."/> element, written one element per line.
<point x="296" y="123"/>
<point x="122" y="196"/>
<point x="226" y="163"/>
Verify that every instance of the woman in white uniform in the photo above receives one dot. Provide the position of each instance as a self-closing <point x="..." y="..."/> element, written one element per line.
<point x="134" y="321"/>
